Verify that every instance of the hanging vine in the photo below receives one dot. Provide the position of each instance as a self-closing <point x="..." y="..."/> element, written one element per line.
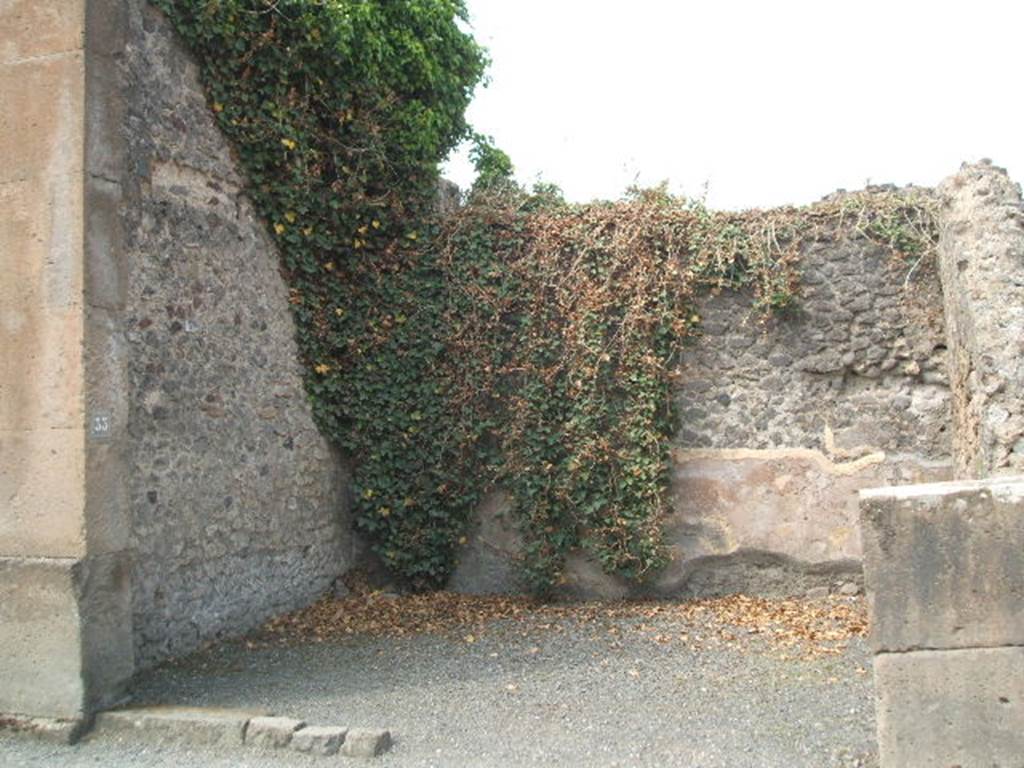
<point x="520" y="341"/>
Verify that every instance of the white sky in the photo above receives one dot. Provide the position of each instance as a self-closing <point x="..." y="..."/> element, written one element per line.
<point x="766" y="101"/>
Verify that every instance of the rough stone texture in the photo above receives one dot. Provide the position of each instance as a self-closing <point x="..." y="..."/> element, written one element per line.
<point x="366" y="742"/>
<point x="178" y="725"/>
<point x="944" y="564"/>
<point x="864" y="357"/>
<point x="238" y="504"/>
<point x="271" y="732"/>
<point x="951" y="708"/>
<point x="319" y="739"/>
<point x="782" y="424"/>
<point x="981" y="255"/>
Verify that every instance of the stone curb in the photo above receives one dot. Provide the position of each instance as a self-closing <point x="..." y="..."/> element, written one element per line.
<point x="366" y="742"/>
<point x="272" y="732"/>
<point x="178" y="725"/>
<point x="44" y="729"/>
<point x="236" y="727"/>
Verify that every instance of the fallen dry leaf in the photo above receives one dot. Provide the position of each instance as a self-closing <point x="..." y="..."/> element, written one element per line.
<point x="794" y="626"/>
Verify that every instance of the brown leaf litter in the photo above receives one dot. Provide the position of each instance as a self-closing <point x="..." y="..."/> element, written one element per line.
<point x="796" y="627"/>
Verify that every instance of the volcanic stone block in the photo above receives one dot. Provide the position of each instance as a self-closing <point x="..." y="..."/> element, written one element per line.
<point x="366" y="742"/>
<point x="951" y="708"/>
<point x="981" y="239"/>
<point x="271" y="732"/>
<point x="944" y="564"/>
<point x="178" y="725"/>
<point x="319" y="739"/>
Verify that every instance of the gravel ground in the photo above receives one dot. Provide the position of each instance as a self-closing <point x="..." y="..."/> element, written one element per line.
<point x="618" y="691"/>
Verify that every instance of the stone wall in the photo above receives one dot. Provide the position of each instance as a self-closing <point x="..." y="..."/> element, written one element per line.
<point x="238" y="504"/>
<point x="945" y="583"/>
<point x="981" y="253"/>
<point x="782" y="423"/>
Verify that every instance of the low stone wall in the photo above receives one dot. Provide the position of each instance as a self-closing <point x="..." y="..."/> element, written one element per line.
<point x="981" y="254"/>
<point x="945" y="580"/>
<point x="782" y="422"/>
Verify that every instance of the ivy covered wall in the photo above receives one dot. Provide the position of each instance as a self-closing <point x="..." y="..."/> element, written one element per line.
<point x="522" y="342"/>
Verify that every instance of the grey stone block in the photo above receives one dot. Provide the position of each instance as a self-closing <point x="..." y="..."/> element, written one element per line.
<point x="65" y="638"/>
<point x="366" y="742"/>
<point x="106" y="273"/>
<point x="104" y="605"/>
<point x="44" y="728"/>
<point x="40" y="634"/>
<point x="491" y="560"/>
<point x="319" y="739"/>
<point x="951" y="708"/>
<point x="943" y="565"/>
<point x="178" y="725"/>
<point x="105" y="26"/>
<point x="273" y="732"/>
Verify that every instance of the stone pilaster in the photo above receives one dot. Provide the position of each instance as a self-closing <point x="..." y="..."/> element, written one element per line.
<point x="65" y="627"/>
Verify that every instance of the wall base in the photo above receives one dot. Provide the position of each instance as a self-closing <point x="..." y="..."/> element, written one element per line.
<point x="66" y="648"/>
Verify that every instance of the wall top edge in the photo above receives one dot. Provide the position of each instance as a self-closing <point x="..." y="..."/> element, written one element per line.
<point x="1010" y="487"/>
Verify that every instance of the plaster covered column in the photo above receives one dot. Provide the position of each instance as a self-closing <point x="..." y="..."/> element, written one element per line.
<point x="65" y="607"/>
